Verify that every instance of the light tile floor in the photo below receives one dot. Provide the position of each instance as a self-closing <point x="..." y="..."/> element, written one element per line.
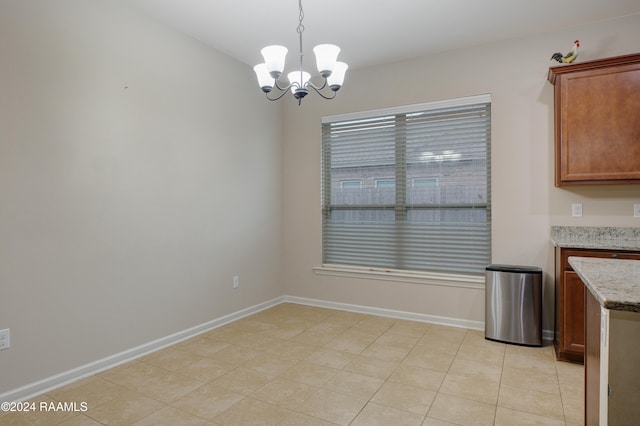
<point x="305" y="366"/>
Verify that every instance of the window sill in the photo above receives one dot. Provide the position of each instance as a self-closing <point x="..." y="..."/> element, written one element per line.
<point x="429" y="278"/>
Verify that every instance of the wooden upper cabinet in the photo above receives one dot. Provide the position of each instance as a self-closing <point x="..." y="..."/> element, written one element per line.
<point x="597" y="121"/>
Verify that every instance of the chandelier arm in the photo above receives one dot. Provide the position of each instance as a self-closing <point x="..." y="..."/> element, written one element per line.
<point x="317" y="90"/>
<point x="280" y="96"/>
<point x="284" y="89"/>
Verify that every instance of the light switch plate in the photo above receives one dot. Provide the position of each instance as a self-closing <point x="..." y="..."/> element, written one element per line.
<point x="5" y="341"/>
<point x="636" y="210"/>
<point x="576" y="210"/>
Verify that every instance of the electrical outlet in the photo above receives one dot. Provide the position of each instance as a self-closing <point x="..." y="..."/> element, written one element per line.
<point x="576" y="210"/>
<point x="235" y="281"/>
<point x="636" y="210"/>
<point x="5" y="342"/>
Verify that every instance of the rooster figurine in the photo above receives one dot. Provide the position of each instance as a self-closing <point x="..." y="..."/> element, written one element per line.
<point x="569" y="57"/>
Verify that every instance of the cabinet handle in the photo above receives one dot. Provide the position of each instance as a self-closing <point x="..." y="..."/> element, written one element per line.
<point x="614" y="255"/>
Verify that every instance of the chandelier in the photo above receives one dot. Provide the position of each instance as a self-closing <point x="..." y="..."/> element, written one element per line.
<point x="299" y="81"/>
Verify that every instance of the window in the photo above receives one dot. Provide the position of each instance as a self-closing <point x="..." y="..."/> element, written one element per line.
<point x="385" y="183"/>
<point x="424" y="181"/>
<point x="423" y="202"/>
<point x="351" y="184"/>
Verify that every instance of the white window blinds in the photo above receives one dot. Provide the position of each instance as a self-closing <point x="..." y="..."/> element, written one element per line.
<point x="423" y="198"/>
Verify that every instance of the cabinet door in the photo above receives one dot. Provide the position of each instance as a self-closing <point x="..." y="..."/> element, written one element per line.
<point x="573" y="318"/>
<point x="598" y="130"/>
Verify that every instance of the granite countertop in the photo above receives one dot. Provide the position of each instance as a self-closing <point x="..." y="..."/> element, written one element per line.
<point x="614" y="282"/>
<point x="601" y="238"/>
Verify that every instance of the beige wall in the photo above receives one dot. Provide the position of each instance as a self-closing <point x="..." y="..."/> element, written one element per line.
<point x="525" y="202"/>
<point x="139" y="171"/>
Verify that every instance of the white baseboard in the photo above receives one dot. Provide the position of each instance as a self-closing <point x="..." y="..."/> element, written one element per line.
<point x="37" y="388"/>
<point x="40" y="387"/>
<point x="547" y="335"/>
<point x="432" y="319"/>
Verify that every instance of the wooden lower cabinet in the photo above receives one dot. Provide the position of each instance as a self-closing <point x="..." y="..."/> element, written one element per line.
<point x="573" y="317"/>
<point x="569" y="303"/>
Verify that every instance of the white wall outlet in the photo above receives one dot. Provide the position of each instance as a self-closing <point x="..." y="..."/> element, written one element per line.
<point x="576" y="210"/>
<point x="236" y="281"/>
<point x="636" y="210"/>
<point x="5" y="340"/>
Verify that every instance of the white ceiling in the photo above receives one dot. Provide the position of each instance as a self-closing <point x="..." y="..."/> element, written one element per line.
<point x="373" y="32"/>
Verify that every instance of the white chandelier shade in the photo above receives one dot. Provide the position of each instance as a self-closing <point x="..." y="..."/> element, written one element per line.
<point x="326" y="57"/>
<point x="336" y="78"/>
<point x="274" y="57"/>
<point x="270" y="72"/>
<point x="264" y="79"/>
<point x="296" y="82"/>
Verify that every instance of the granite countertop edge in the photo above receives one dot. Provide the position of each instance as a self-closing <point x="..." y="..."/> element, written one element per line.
<point x="597" y="245"/>
<point x="615" y="283"/>
<point x="597" y="238"/>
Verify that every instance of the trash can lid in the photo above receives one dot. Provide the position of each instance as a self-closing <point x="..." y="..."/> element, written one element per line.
<point x="514" y="268"/>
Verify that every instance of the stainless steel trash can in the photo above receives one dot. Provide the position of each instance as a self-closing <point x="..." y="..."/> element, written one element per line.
<point x="513" y="311"/>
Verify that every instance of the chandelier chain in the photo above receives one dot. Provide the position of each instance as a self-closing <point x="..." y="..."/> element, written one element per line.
<point x="300" y="28"/>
